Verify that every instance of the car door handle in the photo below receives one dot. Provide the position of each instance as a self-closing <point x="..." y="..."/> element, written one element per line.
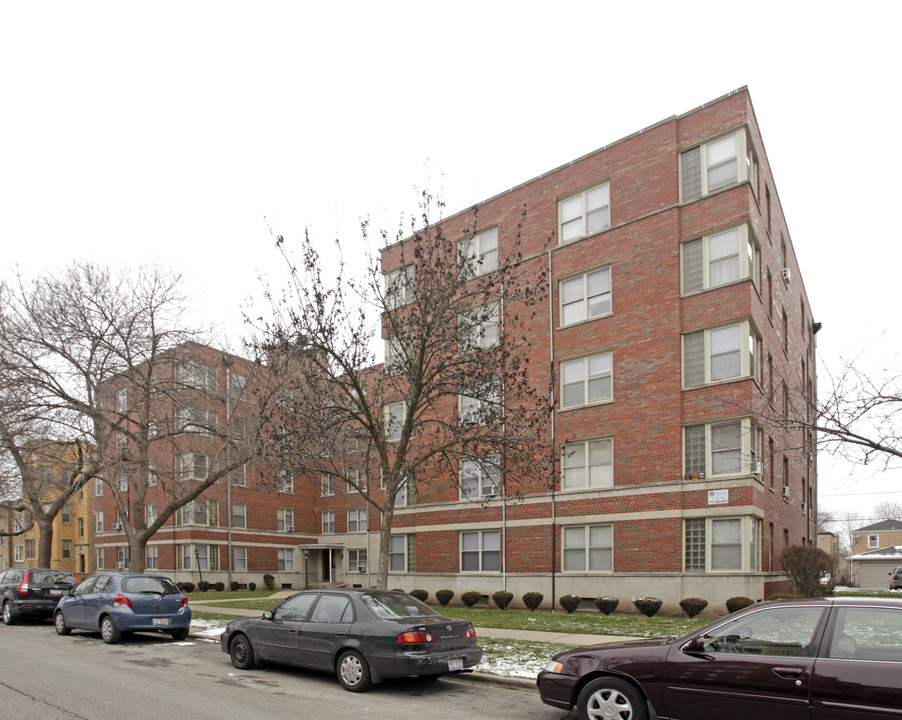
<point x="788" y="672"/>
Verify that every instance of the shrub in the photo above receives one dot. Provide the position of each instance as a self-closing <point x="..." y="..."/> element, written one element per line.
<point x="269" y="581"/>
<point x="693" y="606"/>
<point x="805" y="565"/>
<point x="502" y="599"/>
<point x="186" y="587"/>
<point x="606" y="604"/>
<point x="252" y="586"/>
<point x="738" y="602"/>
<point x="421" y="595"/>
<point x="203" y="586"/>
<point x="234" y="585"/>
<point x="648" y="606"/>
<point x="444" y="596"/>
<point x="570" y="602"/>
<point x="220" y="586"/>
<point x="532" y="600"/>
<point x="471" y="597"/>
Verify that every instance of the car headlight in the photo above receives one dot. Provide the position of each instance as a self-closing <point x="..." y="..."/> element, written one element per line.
<point x="554" y="666"/>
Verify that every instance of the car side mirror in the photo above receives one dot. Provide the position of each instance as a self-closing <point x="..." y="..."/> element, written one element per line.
<point x="267" y="615"/>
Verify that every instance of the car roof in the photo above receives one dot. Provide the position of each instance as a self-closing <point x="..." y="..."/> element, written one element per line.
<point x="836" y="600"/>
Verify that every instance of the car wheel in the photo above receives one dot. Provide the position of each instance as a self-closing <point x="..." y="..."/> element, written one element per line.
<point x="8" y="617"/>
<point x="354" y="672"/>
<point x="242" y="652"/>
<point x="180" y="634"/>
<point x="108" y="632"/>
<point x="608" y="697"/>
<point x="59" y="622"/>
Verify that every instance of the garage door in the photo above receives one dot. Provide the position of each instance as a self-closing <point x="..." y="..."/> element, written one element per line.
<point x="875" y="574"/>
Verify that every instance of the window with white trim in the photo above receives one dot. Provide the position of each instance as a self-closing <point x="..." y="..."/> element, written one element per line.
<point x="729" y="448"/>
<point x="588" y="548"/>
<point x="284" y="559"/>
<point x="480" y="477"/>
<point x="482" y="406"/>
<point x="198" y="375"/>
<point x="199" y="511"/>
<point x="152" y="473"/>
<point x="19" y="553"/>
<point x="395" y="414"/>
<point x="192" y="466"/>
<point x="284" y="519"/>
<point x="587" y="380"/>
<point x="358" y="521"/>
<point x="327" y="485"/>
<point x="152" y="557"/>
<point x="239" y="557"/>
<point x="285" y="482"/>
<point x="357" y="561"/>
<point x="480" y="551"/>
<point x="239" y="515"/>
<point x="67" y="550"/>
<point x="873" y="541"/>
<point x="588" y="464"/>
<point x="122" y="401"/>
<point x="479" y="328"/>
<point x="585" y="296"/>
<point x="196" y="420"/>
<point x="720" y="354"/>
<point x="401" y="557"/>
<point x="399" y="287"/>
<point x="717" y="544"/>
<point x="329" y="522"/>
<point x="150" y="513"/>
<point x="584" y="213"/>
<point x="98" y="487"/>
<point x="717" y="164"/>
<point x="98" y="521"/>
<point x="718" y="259"/>
<point x="479" y="254"/>
<point x="395" y="356"/>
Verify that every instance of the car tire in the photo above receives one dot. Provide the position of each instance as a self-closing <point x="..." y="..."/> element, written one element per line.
<point x="108" y="632"/>
<point x="242" y="652"/>
<point x="8" y="617"/>
<point x="610" y="697"/>
<point x="180" y="634"/>
<point x="59" y="622"/>
<point x="353" y="672"/>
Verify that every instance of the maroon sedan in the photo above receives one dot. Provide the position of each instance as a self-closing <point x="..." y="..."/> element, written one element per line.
<point x="836" y="658"/>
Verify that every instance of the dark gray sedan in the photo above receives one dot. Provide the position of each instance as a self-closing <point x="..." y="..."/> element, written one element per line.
<point x="363" y="636"/>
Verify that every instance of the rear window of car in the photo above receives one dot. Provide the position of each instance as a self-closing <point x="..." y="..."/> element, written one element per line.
<point x="51" y="576"/>
<point x="397" y="606"/>
<point x="150" y="586"/>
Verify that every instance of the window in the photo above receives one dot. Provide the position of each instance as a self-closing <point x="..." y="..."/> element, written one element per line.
<point x="67" y="549"/>
<point x="719" y="259"/>
<point x="122" y="481"/>
<point x="587" y="380"/>
<point x="721" y="449"/>
<point x="100" y="561"/>
<point x="152" y="557"/>
<point x="122" y="401"/>
<point x="395" y="356"/>
<point x="585" y="213"/>
<point x="98" y="487"/>
<point x="285" y="520"/>
<point x="358" y="521"/>
<point x="868" y="634"/>
<point x="586" y="296"/>
<point x="121" y="441"/>
<point x="399" y="287"/>
<point x="196" y="420"/>
<point x="285" y="559"/>
<point x="238" y="385"/>
<point x="198" y="375"/>
<point x="199" y="512"/>
<point x="29" y="549"/>
<point x="80" y="524"/>
<point x="720" y="354"/>
<point x="716" y="544"/>
<point x="239" y="558"/>
<point x="482" y="406"/>
<point x="588" y="548"/>
<point x="395" y="415"/>
<point x="357" y="561"/>
<point x="717" y="164"/>
<point x="239" y="515"/>
<point x="873" y="541"/>
<point x="192" y="466"/>
<point x="480" y="551"/>
<point x="357" y="480"/>
<point x="122" y="557"/>
<point x="588" y="464"/>
<point x="151" y="473"/>
<point x="480" y="477"/>
<point x="285" y="482"/>
<point x="150" y="513"/>
<point x="66" y="515"/>
<point x="479" y="328"/>
<point x="772" y="631"/>
<point x="99" y="521"/>
<point x="19" y="554"/>
<point x="402" y="553"/>
<point x="479" y="255"/>
<point x="328" y="522"/>
<point x="327" y="485"/>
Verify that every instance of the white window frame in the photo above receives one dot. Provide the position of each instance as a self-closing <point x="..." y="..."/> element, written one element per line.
<point x="357" y="561"/>
<point x="577" y="458"/>
<point x="399" y="554"/>
<point x="395" y="360"/>
<point x="98" y="521"/>
<point x="239" y="515"/>
<point x="284" y="482"/>
<point x="199" y="375"/>
<point x="239" y="557"/>
<point x="327" y="485"/>
<point x="196" y="420"/>
<point x="122" y="401"/>
<point x="478" y="254"/>
<point x="284" y="559"/>
<point x="480" y="477"/>
<point x="749" y="532"/>
<point x="358" y="521"/>
<point x="486" y="550"/>
<point x="585" y="302"/>
<point x="152" y="557"/>
<point x="480" y="328"/>
<point x="328" y="518"/>
<point x="748" y="352"/>
<point x="583" y="367"/>
<point x="747" y="259"/>
<point x="188" y="466"/>
<point x="750" y="448"/>
<point x="745" y="163"/>
<point x="284" y="519"/>
<point x="576" y="542"/>
<point x="19" y="553"/>
<point x="873" y="541"/>
<point x="395" y="415"/>
<point x="150" y="513"/>
<point x="575" y="209"/>
<point x="399" y="287"/>
<point x="480" y="410"/>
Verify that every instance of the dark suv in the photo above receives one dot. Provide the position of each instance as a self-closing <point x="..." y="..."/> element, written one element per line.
<point x="32" y="592"/>
<point x="895" y="579"/>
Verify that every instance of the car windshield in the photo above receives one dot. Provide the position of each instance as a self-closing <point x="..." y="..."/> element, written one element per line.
<point x="149" y="585"/>
<point x="397" y="606"/>
<point x="56" y="577"/>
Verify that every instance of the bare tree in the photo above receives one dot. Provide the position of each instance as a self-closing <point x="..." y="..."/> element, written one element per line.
<point x="888" y="510"/>
<point x="104" y="361"/>
<point x="451" y="407"/>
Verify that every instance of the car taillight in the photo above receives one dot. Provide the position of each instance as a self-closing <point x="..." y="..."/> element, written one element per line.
<point x="470" y="633"/>
<point x="121" y="601"/>
<point x="184" y="602"/>
<point x="23" y="588"/>
<point x="415" y="638"/>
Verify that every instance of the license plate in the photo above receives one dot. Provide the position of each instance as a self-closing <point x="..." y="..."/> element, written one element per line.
<point x="56" y="592"/>
<point x="161" y="621"/>
<point x="455" y="664"/>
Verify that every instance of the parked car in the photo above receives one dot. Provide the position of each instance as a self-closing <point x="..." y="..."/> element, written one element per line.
<point x="362" y="636"/>
<point x="32" y="592"/>
<point x="117" y="603"/>
<point x="813" y="659"/>
<point x="895" y="579"/>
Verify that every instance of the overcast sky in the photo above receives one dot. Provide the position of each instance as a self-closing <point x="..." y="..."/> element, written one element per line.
<point x="189" y="132"/>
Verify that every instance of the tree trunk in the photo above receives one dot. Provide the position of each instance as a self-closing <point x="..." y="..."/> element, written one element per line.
<point x="384" y="547"/>
<point x="44" y="524"/>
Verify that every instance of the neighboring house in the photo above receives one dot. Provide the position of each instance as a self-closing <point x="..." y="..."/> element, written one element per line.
<point x="878" y="535"/>
<point x="828" y="542"/>
<point x="872" y="569"/>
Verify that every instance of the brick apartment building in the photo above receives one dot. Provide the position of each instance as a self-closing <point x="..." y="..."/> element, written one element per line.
<point x="676" y="307"/>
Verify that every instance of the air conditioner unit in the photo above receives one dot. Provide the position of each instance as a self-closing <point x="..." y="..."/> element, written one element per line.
<point x="786" y="492"/>
<point x="361" y="568"/>
<point x="289" y="528"/>
<point x="120" y="566"/>
<point x="805" y="508"/>
<point x="756" y="467"/>
<point x="787" y="274"/>
<point x="117" y="526"/>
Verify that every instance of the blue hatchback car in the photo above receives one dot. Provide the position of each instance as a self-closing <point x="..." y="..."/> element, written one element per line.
<point x="117" y="603"/>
